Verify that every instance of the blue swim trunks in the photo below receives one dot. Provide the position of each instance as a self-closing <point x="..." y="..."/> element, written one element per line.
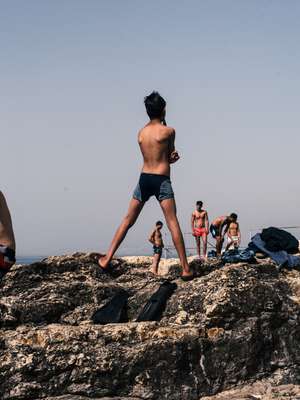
<point x="157" y="250"/>
<point x="153" y="185"/>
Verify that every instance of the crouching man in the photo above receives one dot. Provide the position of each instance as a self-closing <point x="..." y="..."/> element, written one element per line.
<point x="7" y="238"/>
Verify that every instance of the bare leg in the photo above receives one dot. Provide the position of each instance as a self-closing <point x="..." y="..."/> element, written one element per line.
<point x="228" y="245"/>
<point x="169" y="209"/>
<point x="198" y="245"/>
<point x="135" y="207"/>
<point x="219" y="245"/>
<point x="204" y="240"/>
<point x="155" y="264"/>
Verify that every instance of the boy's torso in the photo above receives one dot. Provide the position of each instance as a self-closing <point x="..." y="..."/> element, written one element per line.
<point x="233" y="229"/>
<point x="158" y="238"/>
<point x="154" y="142"/>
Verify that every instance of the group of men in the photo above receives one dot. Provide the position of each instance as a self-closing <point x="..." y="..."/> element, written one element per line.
<point x="218" y="229"/>
<point x="157" y="144"/>
<point x="200" y="230"/>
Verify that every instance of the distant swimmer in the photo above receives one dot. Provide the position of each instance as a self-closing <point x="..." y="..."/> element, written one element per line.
<point x="217" y="227"/>
<point x="158" y="245"/>
<point x="157" y="145"/>
<point x="7" y="238"/>
<point x="233" y="236"/>
<point x="200" y="225"/>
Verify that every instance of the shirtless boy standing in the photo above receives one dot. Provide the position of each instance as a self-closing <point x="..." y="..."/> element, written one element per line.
<point x="7" y="238"/>
<point x="233" y="236"/>
<point x="156" y="141"/>
<point x="217" y="227"/>
<point x="200" y="224"/>
<point x="158" y="245"/>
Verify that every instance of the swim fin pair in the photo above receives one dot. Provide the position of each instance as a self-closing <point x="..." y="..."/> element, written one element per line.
<point x="115" y="311"/>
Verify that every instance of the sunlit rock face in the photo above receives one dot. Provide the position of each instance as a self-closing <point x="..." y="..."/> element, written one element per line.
<point x="231" y="333"/>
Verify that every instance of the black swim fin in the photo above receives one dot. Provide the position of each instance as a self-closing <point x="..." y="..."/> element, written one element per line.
<point x="156" y="305"/>
<point x="113" y="312"/>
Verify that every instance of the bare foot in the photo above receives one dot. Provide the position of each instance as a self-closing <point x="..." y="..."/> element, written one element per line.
<point x="103" y="262"/>
<point x="187" y="273"/>
<point x="154" y="270"/>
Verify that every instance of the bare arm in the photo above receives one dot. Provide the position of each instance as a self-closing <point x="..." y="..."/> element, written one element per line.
<point x="193" y="222"/>
<point x="239" y="234"/>
<point x="173" y="154"/>
<point x="152" y="237"/>
<point x="206" y="222"/>
<point x="226" y="224"/>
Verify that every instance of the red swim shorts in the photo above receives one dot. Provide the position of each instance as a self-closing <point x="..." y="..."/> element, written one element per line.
<point x="200" y="231"/>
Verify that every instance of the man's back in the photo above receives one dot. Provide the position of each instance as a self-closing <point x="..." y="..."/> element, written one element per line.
<point x="219" y="220"/>
<point x="156" y="143"/>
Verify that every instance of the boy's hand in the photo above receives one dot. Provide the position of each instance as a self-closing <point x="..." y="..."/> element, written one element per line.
<point x="174" y="156"/>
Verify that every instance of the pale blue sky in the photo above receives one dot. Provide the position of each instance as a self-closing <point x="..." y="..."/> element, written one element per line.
<point x="73" y="77"/>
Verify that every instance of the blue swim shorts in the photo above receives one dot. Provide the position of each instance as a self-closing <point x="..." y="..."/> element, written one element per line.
<point x="153" y="185"/>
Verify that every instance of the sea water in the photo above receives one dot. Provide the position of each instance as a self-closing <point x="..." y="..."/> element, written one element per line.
<point x="29" y="259"/>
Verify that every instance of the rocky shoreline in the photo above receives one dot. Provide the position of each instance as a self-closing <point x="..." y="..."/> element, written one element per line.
<point x="232" y="333"/>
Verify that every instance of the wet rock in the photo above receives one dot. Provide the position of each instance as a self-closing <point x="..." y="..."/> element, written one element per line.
<point x="229" y="327"/>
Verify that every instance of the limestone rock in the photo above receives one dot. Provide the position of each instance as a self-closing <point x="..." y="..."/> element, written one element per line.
<point x="232" y="331"/>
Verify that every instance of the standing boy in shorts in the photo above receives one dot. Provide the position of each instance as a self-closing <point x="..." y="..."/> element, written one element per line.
<point x="158" y="245"/>
<point x="157" y="145"/>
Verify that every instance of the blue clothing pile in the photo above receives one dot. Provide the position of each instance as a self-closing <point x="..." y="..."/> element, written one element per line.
<point x="236" y="256"/>
<point x="281" y="257"/>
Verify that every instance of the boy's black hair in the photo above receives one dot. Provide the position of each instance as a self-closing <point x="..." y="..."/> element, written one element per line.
<point x="159" y="223"/>
<point x="233" y="216"/>
<point x="155" y="105"/>
<point x="199" y="203"/>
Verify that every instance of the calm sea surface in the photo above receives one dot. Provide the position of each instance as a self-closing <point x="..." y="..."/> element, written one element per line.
<point x="29" y="259"/>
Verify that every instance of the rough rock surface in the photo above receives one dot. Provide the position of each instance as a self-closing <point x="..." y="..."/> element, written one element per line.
<point x="232" y="333"/>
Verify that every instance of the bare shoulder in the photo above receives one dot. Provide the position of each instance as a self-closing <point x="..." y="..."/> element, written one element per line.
<point x="170" y="130"/>
<point x="167" y="133"/>
<point x="140" y="133"/>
